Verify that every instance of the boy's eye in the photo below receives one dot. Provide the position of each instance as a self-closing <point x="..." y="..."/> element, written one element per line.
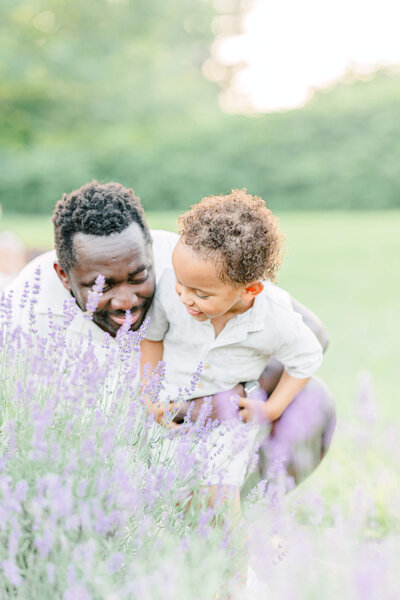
<point x="201" y="296"/>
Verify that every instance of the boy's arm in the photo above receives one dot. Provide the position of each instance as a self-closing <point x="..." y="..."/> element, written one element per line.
<point x="288" y="387"/>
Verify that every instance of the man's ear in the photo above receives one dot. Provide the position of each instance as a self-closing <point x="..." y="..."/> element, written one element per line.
<point x="252" y="290"/>
<point x="63" y="276"/>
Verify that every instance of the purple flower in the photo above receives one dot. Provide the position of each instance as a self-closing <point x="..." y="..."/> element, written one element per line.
<point x="115" y="562"/>
<point x="6" y="307"/>
<point x="25" y="295"/>
<point x="125" y="327"/>
<point x="70" y="309"/>
<point x="94" y="296"/>
<point x="36" y="285"/>
<point x="204" y="521"/>
<point x="11" y="571"/>
<point x="44" y="543"/>
<point x="84" y="554"/>
<point x="77" y="591"/>
<point x="13" y="540"/>
<point x="194" y="381"/>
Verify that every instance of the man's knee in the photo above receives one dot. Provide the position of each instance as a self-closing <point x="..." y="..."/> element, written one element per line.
<point x="311" y="411"/>
<point x="301" y="436"/>
<point x="319" y="394"/>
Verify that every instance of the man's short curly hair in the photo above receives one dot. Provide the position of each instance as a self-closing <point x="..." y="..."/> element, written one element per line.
<point x="95" y="209"/>
<point x="238" y="233"/>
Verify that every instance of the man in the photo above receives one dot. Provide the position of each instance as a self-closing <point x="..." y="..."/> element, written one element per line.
<point x="102" y="229"/>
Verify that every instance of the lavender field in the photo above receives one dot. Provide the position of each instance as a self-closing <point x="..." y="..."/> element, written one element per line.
<point x="84" y="513"/>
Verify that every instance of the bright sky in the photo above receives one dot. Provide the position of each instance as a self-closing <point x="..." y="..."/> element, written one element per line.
<point x="294" y="46"/>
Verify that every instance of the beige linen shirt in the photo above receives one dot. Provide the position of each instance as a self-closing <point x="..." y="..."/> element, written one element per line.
<point x="270" y="328"/>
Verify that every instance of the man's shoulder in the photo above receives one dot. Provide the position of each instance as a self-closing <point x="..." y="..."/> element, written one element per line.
<point x="163" y="244"/>
<point x="42" y="263"/>
<point x="40" y="270"/>
<point x="162" y="236"/>
<point x="166" y="285"/>
<point x="276" y="296"/>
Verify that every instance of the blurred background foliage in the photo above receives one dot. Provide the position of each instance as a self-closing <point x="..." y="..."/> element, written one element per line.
<point x="114" y="90"/>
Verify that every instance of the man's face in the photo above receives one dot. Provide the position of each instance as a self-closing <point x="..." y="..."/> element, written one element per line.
<point x="126" y="262"/>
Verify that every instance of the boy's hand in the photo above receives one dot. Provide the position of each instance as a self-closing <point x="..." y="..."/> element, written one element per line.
<point x="162" y="414"/>
<point x="253" y="410"/>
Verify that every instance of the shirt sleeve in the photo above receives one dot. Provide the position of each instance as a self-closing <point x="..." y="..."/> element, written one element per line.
<point x="159" y="323"/>
<point x="300" y="352"/>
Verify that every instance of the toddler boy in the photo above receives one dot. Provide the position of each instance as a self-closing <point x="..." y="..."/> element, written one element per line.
<point x="220" y="308"/>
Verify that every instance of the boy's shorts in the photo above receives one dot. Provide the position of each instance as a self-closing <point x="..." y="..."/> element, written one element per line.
<point x="221" y="457"/>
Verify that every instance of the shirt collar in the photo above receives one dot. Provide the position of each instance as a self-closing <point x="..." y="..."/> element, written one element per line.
<point x="237" y="329"/>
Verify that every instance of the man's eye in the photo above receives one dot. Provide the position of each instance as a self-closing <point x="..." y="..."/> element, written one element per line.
<point x="140" y="277"/>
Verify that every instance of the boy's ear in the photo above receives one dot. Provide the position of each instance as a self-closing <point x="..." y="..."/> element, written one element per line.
<point x="252" y="290"/>
<point x="62" y="275"/>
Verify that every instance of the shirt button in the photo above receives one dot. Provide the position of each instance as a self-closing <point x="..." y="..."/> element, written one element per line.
<point x="199" y="385"/>
<point x="206" y="366"/>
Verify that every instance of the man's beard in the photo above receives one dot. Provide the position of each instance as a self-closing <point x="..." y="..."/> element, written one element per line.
<point x="103" y="318"/>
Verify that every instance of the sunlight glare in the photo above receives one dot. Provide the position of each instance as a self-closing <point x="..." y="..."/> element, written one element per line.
<point x="290" y="48"/>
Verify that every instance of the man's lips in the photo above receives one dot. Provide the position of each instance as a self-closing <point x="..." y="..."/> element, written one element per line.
<point x="191" y="311"/>
<point x="120" y="320"/>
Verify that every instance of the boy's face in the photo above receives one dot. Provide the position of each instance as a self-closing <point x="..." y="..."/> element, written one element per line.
<point x="200" y="289"/>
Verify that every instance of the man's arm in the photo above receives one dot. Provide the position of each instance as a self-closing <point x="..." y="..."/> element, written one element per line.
<point x="313" y="322"/>
<point x="273" y="370"/>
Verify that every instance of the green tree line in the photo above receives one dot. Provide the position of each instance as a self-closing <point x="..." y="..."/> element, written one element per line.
<point x="114" y="90"/>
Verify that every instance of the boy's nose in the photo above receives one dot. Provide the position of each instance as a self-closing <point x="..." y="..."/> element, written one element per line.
<point x="185" y="296"/>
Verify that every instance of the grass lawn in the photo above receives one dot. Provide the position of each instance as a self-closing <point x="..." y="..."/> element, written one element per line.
<point x="345" y="267"/>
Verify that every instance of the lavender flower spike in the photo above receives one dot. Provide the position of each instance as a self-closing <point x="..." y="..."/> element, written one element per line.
<point x="94" y="296"/>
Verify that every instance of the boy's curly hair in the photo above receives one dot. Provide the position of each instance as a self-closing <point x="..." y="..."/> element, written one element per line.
<point x="238" y="233"/>
<point x="95" y="209"/>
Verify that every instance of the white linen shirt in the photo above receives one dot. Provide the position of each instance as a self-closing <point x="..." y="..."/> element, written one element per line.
<point x="270" y="328"/>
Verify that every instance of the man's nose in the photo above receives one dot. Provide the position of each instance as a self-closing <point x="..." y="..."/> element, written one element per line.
<point x="124" y="298"/>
